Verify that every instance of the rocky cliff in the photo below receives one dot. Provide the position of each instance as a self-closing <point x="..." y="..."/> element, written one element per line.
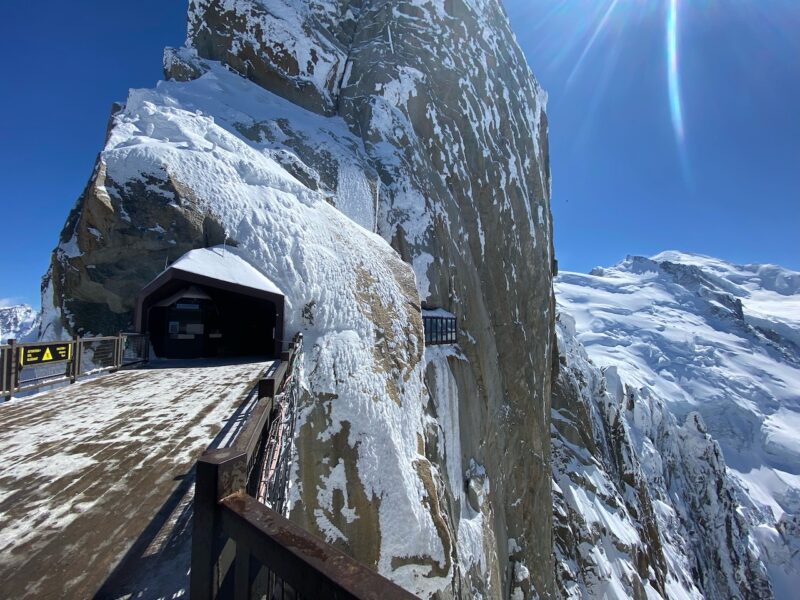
<point x="643" y="507"/>
<point x="19" y="322"/>
<point x="370" y="158"/>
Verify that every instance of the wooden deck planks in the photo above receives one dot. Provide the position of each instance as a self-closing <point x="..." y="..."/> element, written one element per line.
<point x="84" y="469"/>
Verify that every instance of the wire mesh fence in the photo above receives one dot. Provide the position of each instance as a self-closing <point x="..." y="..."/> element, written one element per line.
<point x="95" y="355"/>
<point x="135" y="348"/>
<point x="35" y="376"/>
<point x="35" y="365"/>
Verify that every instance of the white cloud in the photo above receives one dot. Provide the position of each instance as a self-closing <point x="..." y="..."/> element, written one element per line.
<point x="6" y="302"/>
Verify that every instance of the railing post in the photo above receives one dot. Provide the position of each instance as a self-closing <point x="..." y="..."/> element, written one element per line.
<point x="3" y="370"/>
<point x="218" y="474"/>
<point x="12" y="372"/>
<point x="74" y="362"/>
<point x="78" y="356"/>
<point x="116" y="357"/>
<point x="241" y="574"/>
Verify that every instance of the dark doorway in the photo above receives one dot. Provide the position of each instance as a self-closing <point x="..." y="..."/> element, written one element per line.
<point x="194" y="315"/>
<point x="216" y="323"/>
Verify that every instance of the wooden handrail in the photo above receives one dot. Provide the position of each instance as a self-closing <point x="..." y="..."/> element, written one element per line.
<point x="312" y="567"/>
<point x="234" y="536"/>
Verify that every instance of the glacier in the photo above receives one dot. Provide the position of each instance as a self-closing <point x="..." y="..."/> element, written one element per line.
<point x="709" y="346"/>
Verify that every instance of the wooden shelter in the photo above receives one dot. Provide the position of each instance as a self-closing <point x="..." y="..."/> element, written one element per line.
<point x="211" y="302"/>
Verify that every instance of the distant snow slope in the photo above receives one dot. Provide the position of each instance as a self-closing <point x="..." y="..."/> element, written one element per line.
<point x="19" y="322"/>
<point x="722" y="340"/>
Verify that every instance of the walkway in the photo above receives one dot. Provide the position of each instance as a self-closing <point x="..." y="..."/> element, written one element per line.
<point x="86" y="469"/>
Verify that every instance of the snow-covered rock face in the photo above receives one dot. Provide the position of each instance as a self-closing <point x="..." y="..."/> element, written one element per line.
<point x="175" y="156"/>
<point x="643" y="507"/>
<point x="421" y="123"/>
<point x="714" y="346"/>
<point x="20" y="322"/>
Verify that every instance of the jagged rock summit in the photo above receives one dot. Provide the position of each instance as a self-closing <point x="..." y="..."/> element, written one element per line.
<point x="19" y="322"/>
<point x="689" y="384"/>
<point x="370" y="159"/>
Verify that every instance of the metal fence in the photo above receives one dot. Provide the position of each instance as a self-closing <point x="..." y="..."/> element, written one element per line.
<point x="440" y="330"/>
<point x="242" y="544"/>
<point x="34" y="365"/>
<point x="268" y="481"/>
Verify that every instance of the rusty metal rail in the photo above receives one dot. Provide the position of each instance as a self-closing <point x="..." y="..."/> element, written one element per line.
<point x="82" y="356"/>
<point x="243" y="548"/>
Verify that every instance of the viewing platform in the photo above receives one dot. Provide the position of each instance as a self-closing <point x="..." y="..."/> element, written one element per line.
<point x="97" y="477"/>
<point x="170" y="479"/>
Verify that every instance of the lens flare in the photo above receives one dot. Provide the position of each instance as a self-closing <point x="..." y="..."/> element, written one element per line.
<point x="672" y="68"/>
<point x="674" y="86"/>
<point x="598" y="30"/>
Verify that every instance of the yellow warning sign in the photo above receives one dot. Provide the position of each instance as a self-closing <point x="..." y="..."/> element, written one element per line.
<point x="44" y="353"/>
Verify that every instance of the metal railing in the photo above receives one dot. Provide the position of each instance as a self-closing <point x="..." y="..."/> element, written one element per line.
<point x="242" y="545"/>
<point x="440" y="330"/>
<point x="34" y="365"/>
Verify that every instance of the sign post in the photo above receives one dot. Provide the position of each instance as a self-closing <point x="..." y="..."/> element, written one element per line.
<point x="45" y="354"/>
<point x="11" y="371"/>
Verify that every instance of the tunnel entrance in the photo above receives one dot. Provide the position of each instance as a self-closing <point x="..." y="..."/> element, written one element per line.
<point x="211" y="303"/>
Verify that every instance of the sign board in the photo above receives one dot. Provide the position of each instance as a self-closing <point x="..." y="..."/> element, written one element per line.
<point x="42" y="354"/>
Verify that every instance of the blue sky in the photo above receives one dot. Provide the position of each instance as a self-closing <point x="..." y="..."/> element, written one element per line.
<point x="624" y="180"/>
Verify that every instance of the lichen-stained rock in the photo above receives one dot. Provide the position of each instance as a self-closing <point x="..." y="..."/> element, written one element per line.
<point x="455" y="125"/>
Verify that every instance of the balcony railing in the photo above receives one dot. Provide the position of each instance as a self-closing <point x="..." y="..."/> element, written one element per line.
<point x="241" y="547"/>
<point x="29" y="366"/>
<point x="440" y="327"/>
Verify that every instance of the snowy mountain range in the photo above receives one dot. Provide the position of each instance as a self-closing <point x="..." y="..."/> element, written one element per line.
<point x="19" y="322"/>
<point x="698" y="359"/>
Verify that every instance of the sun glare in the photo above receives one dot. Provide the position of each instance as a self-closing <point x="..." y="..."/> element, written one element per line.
<point x="598" y="30"/>
<point x="674" y="87"/>
<point x="675" y="103"/>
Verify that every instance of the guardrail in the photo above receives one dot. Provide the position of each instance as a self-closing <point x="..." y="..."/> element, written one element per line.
<point x="242" y="546"/>
<point x="33" y="365"/>
<point x="440" y="330"/>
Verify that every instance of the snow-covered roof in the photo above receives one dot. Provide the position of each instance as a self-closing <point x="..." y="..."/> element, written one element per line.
<point x="437" y="312"/>
<point x="225" y="265"/>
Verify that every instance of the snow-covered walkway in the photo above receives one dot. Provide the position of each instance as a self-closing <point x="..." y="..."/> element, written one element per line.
<point x="87" y="468"/>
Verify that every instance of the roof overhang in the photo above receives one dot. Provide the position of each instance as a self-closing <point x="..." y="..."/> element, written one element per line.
<point x="228" y="272"/>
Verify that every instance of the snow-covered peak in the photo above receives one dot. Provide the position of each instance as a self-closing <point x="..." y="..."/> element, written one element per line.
<point x="712" y="338"/>
<point x="19" y="322"/>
